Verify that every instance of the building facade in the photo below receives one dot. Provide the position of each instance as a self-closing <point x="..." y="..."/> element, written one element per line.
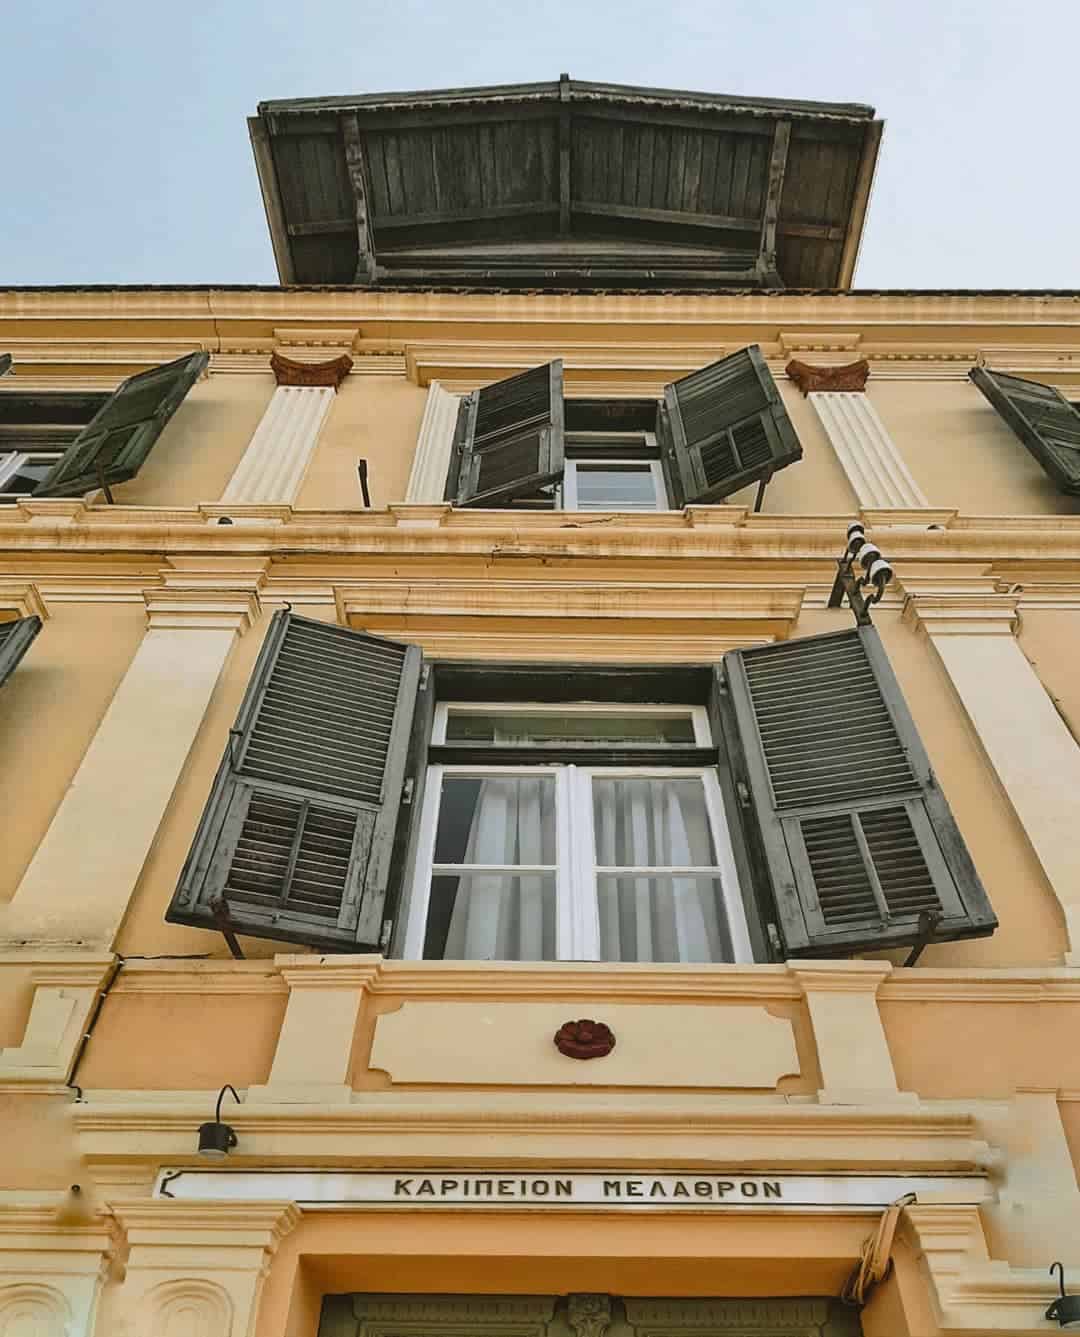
<point x="440" y="779"/>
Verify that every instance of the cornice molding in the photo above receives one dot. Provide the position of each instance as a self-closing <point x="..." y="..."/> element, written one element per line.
<point x="962" y="614"/>
<point x="330" y="374"/>
<point x="851" y="376"/>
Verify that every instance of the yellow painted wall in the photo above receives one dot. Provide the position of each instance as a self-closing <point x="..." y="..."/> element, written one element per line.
<point x="50" y="708"/>
<point x="1051" y="641"/>
<point x="202" y="444"/>
<point x="374" y="418"/>
<point x="961" y="452"/>
<point x="814" y="485"/>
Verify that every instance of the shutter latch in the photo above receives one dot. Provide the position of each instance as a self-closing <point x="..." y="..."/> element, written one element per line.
<point x="407" y="791"/>
<point x="384" y="936"/>
<point x="774" y="941"/>
<point x="743" y="793"/>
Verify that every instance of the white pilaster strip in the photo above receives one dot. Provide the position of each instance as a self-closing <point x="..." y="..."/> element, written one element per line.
<point x="274" y="464"/>
<point x="434" y="442"/>
<point x="866" y="451"/>
<point x="1036" y="758"/>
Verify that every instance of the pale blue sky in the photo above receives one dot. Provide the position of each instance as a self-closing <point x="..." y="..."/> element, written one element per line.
<point x="125" y="156"/>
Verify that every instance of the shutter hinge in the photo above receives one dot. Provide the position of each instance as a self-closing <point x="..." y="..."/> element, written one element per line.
<point x="407" y="791"/>
<point x="384" y="936"/>
<point x="425" y="676"/>
<point x="743" y="793"/>
<point x="775" y="944"/>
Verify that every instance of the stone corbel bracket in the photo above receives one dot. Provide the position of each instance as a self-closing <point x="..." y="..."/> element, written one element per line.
<point x="287" y="371"/>
<point x="65" y="990"/>
<point x="851" y="376"/>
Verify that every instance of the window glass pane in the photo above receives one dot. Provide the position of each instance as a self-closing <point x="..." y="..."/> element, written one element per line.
<point x="493" y="726"/>
<point x="496" y="819"/>
<point x="491" y="917"/>
<point x="662" y="918"/>
<point x="657" y="822"/>
<point x="617" y="487"/>
<point x="29" y="474"/>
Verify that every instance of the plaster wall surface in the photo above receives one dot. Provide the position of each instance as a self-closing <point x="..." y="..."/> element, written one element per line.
<point x="78" y="661"/>
<point x="202" y="443"/>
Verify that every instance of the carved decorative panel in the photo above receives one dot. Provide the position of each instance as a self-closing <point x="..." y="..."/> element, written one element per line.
<point x="581" y="1315"/>
<point x="33" y="1311"/>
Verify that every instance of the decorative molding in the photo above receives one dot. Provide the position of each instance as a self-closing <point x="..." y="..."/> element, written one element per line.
<point x="200" y="609"/>
<point x="683" y="1046"/>
<point x="588" y="1315"/>
<point x="849" y="377"/>
<point x="272" y="468"/>
<point x="434" y="446"/>
<point x="584" y="1039"/>
<point x="962" y="614"/>
<point x="824" y="341"/>
<point x="867" y="453"/>
<point x="65" y="989"/>
<point x="289" y="372"/>
<point x="23" y="598"/>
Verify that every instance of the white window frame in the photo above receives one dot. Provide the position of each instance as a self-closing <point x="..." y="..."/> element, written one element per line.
<point x="569" y="499"/>
<point x="699" y="717"/>
<point x="12" y="461"/>
<point x="577" y="917"/>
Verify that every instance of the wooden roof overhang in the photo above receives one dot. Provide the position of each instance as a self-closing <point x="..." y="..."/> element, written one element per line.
<point x="565" y="185"/>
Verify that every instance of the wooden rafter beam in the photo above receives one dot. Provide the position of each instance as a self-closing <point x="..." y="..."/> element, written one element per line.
<point x="564" y="153"/>
<point x="777" y="168"/>
<point x="356" y="167"/>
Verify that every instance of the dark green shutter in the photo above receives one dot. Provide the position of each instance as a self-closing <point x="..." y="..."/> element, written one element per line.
<point x="1042" y="418"/>
<point x="120" y="435"/>
<point x="856" y="836"/>
<point x="5" y="363"/>
<point x="15" y="638"/>
<point x="724" y="427"/>
<point x="297" y="835"/>
<point x="510" y="439"/>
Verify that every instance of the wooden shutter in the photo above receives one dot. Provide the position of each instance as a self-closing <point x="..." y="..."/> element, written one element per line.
<point x="15" y="638"/>
<point x="297" y="834"/>
<point x="120" y="435"/>
<point x="857" y="838"/>
<point x="510" y="438"/>
<point x="5" y="363"/>
<point x="1042" y="418"/>
<point x="724" y="427"/>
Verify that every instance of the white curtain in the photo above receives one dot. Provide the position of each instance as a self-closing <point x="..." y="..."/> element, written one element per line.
<point x="657" y="823"/>
<point x="503" y="916"/>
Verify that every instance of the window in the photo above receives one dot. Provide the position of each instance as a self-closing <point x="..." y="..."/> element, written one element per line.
<point x="35" y="431"/>
<point x="60" y="443"/>
<point x="521" y="443"/>
<point x="613" y="472"/>
<point x="15" y="638"/>
<point x="527" y="860"/>
<point x="778" y="804"/>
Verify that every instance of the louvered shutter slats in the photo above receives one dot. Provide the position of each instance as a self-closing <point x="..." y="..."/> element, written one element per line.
<point x="1044" y="420"/>
<point x="724" y="427"/>
<point x="117" y="440"/>
<point x="510" y="438"/>
<point x="15" y="638"/>
<point x="858" y="840"/>
<point x="5" y="363"/>
<point x="297" y="835"/>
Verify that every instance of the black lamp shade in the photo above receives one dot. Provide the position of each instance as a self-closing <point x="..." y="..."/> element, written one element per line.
<point x="1066" y="1309"/>
<point x="216" y="1140"/>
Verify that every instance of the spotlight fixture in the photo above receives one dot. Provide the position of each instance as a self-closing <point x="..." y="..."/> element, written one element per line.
<point x="217" y="1139"/>
<point x="876" y="574"/>
<point x="1066" y="1308"/>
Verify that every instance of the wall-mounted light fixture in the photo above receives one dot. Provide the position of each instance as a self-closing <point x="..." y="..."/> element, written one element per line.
<point x="217" y="1139"/>
<point x="876" y="574"/>
<point x="1066" y="1308"/>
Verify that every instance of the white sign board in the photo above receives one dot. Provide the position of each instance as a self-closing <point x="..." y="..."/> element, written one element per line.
<point x="487" y="1189"/>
